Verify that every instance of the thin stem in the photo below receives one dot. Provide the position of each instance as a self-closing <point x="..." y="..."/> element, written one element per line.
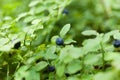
<point x="106" y="11"/>
<point x="8" y="72"/>
<point x="16" y="70"/>
<point x="103" y="56"/>
<point x="83" y="65"/>
<point x="25" y="40"/>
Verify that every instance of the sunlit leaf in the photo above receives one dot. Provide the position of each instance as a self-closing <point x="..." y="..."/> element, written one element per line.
<point x="64" y="30"/>
<point x="41" y="65"/>
<point x="89" y="32"/>
<point x="74" y="66"/>
<point x="60" y="70"/>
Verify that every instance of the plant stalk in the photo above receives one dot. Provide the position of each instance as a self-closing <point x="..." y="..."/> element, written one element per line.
<point x="103" y="56"/>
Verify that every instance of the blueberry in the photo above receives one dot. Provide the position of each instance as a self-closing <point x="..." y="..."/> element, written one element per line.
<point x="116" y="43"/>
<point x="51" y="68"/>
<point x="59" y="41"/>
<point x="17" y="45"/>
<point x="65" y="11"/>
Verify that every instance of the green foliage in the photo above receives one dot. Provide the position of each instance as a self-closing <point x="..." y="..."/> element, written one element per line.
<point x="64" y="30"/>
<point x="88" y="32"/>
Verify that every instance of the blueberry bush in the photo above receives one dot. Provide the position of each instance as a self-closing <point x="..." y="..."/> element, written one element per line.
<point x="59" y="40"/>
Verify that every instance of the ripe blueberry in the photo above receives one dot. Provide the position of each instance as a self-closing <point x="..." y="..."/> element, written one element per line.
<point x="17" y="45"/>
<point x="65" y="11"/>
<point x="51" y="68"/>
<point x="59" y="41"/>
<point x="116" y="43"/>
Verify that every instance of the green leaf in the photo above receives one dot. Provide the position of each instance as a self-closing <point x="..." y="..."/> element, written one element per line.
<point x="104" y="76"/>
<point x="64" y="55"/>
<point x="51" y="49"/>
<point x="91" y="45"/>
<point x="21" y="16"/>
<point x="68" y="41"/>
<point x="116" y="36"/>
<point x="112" y="56"/>
<point x="27" y="72"/>
<point x="107" y="36"/>
<point x="30" y="60"/>
<point x="41" y="65"/>
<point x="73" y="78"/>
<point x="6" y="46"/>
<point x="53" y="39"/>
<point x="76" y="52"/>
<point x="36" y="21"/>
<point x="74" y="66"/>
<point x="28" y="19"/>
<point x="90" y="32"/>
<point x="40" y="9"/>
<point x="69" y="53"/>
<point x="38" y="40"/>
<point x="32" y="75"/>
<point x="50" y="53"/>
<point x="64" y="30"/>
<point x="116" y="64"/>
<point x="113" y="32"/>
<point x="92" y="59"/>
<point x="22" y="72"/>
<point x="3" y="41"/>
<point x="60" y="70"/>
<point x="34" y="3"/>
<point x="115" y="58"/>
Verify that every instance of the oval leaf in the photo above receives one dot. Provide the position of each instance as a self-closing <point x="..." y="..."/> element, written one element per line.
<point x="89" y="32"/>
<point x="64" y="30"/>
<point x="41" y="65"/>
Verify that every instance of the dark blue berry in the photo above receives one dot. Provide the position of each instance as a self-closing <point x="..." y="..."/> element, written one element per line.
<point x="17" y="45"/>
<point x="65" y="11"/>
<point x="116" y="43"/>
<point x="59" y="41"/>
<point x="51" y="68"/>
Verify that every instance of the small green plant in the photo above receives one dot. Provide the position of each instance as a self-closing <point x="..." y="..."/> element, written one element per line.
<point x="49" y="40"/>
